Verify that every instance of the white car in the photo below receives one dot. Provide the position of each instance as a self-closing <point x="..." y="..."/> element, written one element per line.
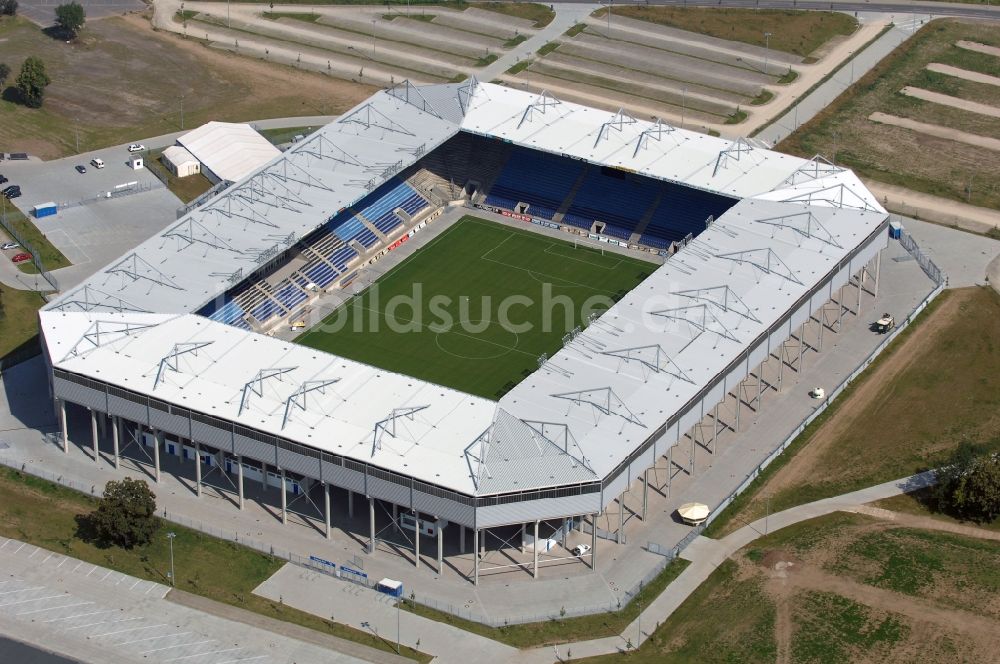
<point x="581" y="550"/>
<point x="97" y="162"/>
<point x="9" y="245"/>
<point x="136" y="147"/>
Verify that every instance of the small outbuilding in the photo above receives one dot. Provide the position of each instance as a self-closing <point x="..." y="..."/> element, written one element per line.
<point x="180" y="162"/>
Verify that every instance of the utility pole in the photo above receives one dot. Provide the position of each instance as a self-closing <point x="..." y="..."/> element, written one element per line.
<point x="767" y="49"/>
<point x="373" y="39"/>
<point x="684" y="93"/>
<point x="170" y="536"/>
<point x="610" y="2"/>
<point x="182" y="112"/>
<point x="229" y="20"/>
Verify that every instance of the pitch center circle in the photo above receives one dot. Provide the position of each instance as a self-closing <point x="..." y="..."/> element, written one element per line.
<point x="467" y="345"/>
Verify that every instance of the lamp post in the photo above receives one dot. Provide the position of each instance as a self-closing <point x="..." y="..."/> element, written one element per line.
<point x="684" y="93"/>
<point x="170" y="536"/>
<point x="767" y="48"/>
<point x="373" y="39"/>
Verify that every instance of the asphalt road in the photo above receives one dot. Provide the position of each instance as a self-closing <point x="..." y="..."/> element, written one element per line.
<point x="885" y="6"/>
<point x="15" y="651"/>
<point x="43" y="12"/>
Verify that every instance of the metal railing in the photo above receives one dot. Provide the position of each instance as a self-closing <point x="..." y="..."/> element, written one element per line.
<point x="926" y="264"/>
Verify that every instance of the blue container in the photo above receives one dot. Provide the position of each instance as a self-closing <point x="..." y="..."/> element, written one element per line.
<point x="895" y="230"/>
<point x="44" y="210"/>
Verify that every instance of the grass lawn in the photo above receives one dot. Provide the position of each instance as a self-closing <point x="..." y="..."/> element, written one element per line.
<point x="554" y="632"/>
<point x="187" y="188"/>
<point x="903" y="157"/>
<point x="798" y="32"/>
<point x="873" y="433"/>
<point x="285" y="135"/>
<point x="479" y="316"/>
<point x="45" y="514"/>
<point x="51" y="257"/>
<point x="919" y="503"/>
<point x="121" y="82"/>
<point x="19" y="322"/>
<point x="728" y="618"/>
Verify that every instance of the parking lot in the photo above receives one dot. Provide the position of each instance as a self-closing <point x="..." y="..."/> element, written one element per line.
<point x="43" y="12"/>
<point x="90" y="228"/>
<point x="99" y="615"/>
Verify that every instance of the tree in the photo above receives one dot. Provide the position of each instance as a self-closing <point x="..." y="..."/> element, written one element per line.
<point x="125" y="514"/>
<point x="32" y="80"/>
<point x="8" y="7"/>
<point x="70" y="18"/>
<point x="4" y="74"/>
<point x="969" y="485"/>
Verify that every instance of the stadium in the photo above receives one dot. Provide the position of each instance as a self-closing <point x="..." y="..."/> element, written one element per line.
<point x="705" y="254"/>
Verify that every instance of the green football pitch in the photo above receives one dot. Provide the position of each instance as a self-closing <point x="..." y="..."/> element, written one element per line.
<point x="476" y="307"/>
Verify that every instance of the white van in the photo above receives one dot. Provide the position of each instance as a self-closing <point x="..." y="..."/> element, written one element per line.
<point x="97" y="163"/>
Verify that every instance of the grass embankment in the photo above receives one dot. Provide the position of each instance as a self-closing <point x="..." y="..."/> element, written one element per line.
<point x="285" y="135"/>
<point x="563" y="630"/>
<point x="186" y="188"/>
<point x="937" y="384"/>
<point x="19" y="323"/>
<point x="798" y="32"/>
<point x="921" y="503"/>
<point x="838" y="588"/>
<point x="494" y="308"/>
<point x="904" y="157"/>
<point x="46" y="514"/>
<point x="142" y="77"/>
<point x="51" y="257"/>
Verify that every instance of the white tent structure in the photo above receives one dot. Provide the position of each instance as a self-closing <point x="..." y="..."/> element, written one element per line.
<point x="228" y="151"/>
<point x="566" y="441"/>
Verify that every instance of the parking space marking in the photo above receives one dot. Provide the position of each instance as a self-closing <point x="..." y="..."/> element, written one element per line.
<point x="47" y="558"/>
<point x="19" y="548"/>
<point x="177" y="645"/>
<point x="7" y="592"/>
<point x="152" y="638"/>
<point x="34" y="552"/>
<point x="25" y="601"/>
<point x="132" y="629"/>
<point x="242" y="659"/>
<point x="137" y="582"/>
<point x="102" y="622"/>
<point x="54" y="608"/>
<point x="61" y="563"/>
<point x="201" y="654"/>
<point x="81" y="615"/>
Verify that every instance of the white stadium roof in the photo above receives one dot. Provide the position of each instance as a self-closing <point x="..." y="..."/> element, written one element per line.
<point x="575" y="419"/>
<point x="230" y="151"/>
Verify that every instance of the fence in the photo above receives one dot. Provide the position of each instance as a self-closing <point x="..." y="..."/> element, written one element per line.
<point x="926" y="264"/>
<point x="29" y="248"/>
<point x="120" y="191"/>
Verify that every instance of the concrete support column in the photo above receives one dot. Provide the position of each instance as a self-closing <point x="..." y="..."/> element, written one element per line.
<point x="802" y="345"/>
<point x="840" y="304"/>
<point x="284" y="498"/>
<point x="822" y="324"/>
<point x="197" y="468"/>
<point x="715" y="434"/>
<point x="263" y="476"/>
<point x="326" y="509"/>
<point x="239" y="475"/>
<point x="534" y="563"/>
<point x="102" y="423"/>
<point x="645" y="493"/>
<point x="475" y="555"/>
<point x="739" y="404"/>
<point x="114" y="441"/>
<point x="593" y="541"/>
<point x="670" y="468"/>
<point x="781" y="364"/>
<point x="416" y="539"/>
<point x="371" y="525"/>
<point x="878" y="271"/>
<point x="395" y="518"/>
<point x="350" y="504"/>
<point x="621" y="514"/>
<point x="691" y="460"/>
<point x="461" y="540"/>
<point x="482" y="543"/>
<point x="63" y="426"/>
<point x="156" y="452"/>
<point x="861" y="285"/>
<point x="440" y="534"/>
<point x="94" y="437"/>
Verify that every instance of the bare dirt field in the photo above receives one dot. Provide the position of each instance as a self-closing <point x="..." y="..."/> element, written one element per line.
<point x="947" y="364"/>
<point x="122" y="81"/>
<point x="902" y="154"/>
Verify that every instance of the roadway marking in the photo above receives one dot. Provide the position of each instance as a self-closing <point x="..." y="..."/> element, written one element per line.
<point x="82" y="615"/>
<point x="132" y="629"/>
<point x="201" y="654"/>
<point x="179" y="645"/>
<point x="54" y="608"/>
<point x="153" y="638"/>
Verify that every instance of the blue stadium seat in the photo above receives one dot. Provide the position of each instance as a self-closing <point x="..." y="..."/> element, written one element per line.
<point x="541" y="180"/>
<point x="615" y="197"/>
<point x="379" y="208"/>
<point x="683" y="210"/>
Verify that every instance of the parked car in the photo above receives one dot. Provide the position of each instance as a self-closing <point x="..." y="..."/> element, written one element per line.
<point x="136" y="147"/>
<point x="3" y="179"/>
<point x="6" y="246"/>
<point x="81" y="169"/>
<point x="20" y="258"/>
<point x="97" y="162"/>
<point x="12" y="192"/>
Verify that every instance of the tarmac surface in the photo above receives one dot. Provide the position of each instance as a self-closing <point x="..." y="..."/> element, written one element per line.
<point x="43" y="12"/>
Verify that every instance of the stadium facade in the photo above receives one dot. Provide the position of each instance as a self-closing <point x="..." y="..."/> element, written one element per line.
<point x="149" y="341"/>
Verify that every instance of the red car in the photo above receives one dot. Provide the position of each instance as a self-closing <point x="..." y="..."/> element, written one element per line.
<point x="20" y="258"/>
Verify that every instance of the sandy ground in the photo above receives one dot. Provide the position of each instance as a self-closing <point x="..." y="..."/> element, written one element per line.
<point x="953" y="102"/>
<point x="957" y="72"/>
<point x="937" y="131"/>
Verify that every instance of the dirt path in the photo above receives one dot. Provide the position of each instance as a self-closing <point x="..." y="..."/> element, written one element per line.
<point x="808" y="462"/>
<point x="937" y="131"/>
<point x="928" y="523"/>
<point x="953" y="102"/>
<point x="934" y="208"/>
<point x="965" y="74"/>
<point x="978" y="48"/>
